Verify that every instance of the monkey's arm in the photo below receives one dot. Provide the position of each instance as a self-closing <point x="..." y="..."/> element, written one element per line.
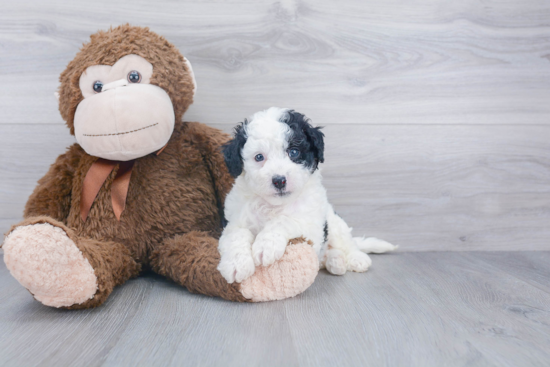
<point x="210" y="141"/>
<point x="52" y="195"/>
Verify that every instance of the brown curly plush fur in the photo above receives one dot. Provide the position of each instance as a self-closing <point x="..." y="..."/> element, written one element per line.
<point x="197" y="252"/>
<point x="171" y="222"/>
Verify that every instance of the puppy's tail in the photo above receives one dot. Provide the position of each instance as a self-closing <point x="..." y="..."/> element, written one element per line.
<point x="373" y="245"/>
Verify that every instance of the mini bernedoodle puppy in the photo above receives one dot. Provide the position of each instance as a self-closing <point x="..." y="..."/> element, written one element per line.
<point x="278" y="195"/>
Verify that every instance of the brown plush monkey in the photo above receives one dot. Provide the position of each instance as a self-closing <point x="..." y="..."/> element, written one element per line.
<point x="141" y="189"/>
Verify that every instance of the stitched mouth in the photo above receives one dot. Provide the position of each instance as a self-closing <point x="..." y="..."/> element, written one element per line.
<point x="125" y="132"/>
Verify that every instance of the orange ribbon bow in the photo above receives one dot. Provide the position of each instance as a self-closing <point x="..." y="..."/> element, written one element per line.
<point x="96" y="177"/>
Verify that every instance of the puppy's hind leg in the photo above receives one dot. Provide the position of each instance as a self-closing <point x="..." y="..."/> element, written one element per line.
<point x="342" y="245"/>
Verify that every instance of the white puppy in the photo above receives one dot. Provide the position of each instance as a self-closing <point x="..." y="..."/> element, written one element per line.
<point x="278" y="196"/>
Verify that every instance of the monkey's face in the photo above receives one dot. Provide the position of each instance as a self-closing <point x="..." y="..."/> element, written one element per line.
<point x="123" y="91"/>
<point x="122" y="115"/>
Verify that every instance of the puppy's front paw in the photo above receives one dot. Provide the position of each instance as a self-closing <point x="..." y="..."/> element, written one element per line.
<point x="236" y="267"/>
<point x="268" y="249"/>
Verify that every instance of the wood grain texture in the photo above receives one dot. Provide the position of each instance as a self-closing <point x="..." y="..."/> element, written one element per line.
<point x="537" y="264"/>
<point x="423" y="187"/>
<point x="350" y="61"/>
<point x="410" y="309"/>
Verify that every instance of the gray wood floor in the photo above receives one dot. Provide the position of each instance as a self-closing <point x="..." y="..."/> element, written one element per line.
<point x="410" y="309"/>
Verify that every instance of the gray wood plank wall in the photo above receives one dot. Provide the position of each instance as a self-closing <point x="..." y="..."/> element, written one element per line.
<point x="437" y="113"/>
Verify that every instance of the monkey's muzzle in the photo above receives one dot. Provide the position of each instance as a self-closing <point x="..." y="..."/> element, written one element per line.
<point x="124" y="122"/>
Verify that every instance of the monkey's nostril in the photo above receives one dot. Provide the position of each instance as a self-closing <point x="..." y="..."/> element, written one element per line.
<point x="279" y="182"/>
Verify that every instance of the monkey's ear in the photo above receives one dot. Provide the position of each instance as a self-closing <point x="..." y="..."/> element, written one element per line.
<point x="192" y="75"/>
<point x="232" y="150"/>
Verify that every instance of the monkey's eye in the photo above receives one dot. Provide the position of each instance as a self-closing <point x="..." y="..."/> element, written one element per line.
<point x="293" y="153"/>
<point x="134" y="76"/>
<point x="259" y="157"/>
<point x="98" y="86"/>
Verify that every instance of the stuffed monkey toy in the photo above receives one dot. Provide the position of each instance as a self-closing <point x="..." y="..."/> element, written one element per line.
<point x="140" y="190"/>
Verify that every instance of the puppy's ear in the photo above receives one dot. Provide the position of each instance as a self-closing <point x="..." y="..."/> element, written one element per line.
<point x="232" y="150"/>
<point x="315" y="137"/>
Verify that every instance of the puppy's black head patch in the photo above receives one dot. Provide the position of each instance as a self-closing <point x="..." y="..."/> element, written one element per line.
<point x="232" y="150"/>
<point x="308" y="140"/>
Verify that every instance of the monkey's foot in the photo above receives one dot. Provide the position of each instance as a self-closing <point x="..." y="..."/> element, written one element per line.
<point x="288" y="277"/>
<point x="48" y="263"/>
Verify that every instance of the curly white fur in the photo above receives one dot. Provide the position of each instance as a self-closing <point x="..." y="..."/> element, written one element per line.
<point x="262" y="219"/>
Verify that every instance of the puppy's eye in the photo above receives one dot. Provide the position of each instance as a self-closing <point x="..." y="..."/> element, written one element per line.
<point x="98" y="86"/>
<point x="134" y="76"/>
<point x="259" y="157"/>
<point x="293" y="153"/>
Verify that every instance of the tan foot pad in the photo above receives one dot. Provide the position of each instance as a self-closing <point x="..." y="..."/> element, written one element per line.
<point x="47" y="262"/>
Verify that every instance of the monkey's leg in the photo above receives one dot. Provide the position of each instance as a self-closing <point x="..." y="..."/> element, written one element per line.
<point x="61" y="269"/>
<point x="192" y="259"/>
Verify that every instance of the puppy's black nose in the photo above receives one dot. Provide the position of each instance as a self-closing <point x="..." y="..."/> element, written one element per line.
<point x="279" y="182"/>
